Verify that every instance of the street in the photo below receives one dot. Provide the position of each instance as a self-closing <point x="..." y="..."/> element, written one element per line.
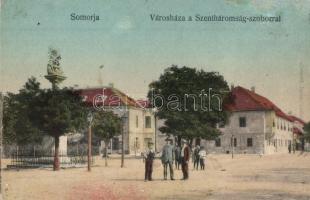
<point x="282" y="176"/>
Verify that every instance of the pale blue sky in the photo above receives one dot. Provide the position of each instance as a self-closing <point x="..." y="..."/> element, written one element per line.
<point x="135" y="50"/>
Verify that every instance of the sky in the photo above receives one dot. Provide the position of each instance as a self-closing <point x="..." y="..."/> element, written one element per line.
<point x="135" y="50"/>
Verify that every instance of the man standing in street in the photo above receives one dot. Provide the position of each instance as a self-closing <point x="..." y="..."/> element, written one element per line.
<point x="167" y="158"/>
<point x="149" y="156"/>
<point x="196" y="157"/>
<point x="185" y="154"/>
<point x="177" y="156"/>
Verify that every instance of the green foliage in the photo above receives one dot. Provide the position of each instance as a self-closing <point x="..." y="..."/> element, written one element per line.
<point x="190" y="121"/>
<point x="18" y="128"/>
<point x="34" y="112"/>
<point x="106" y="125"/>
<point x="56" y="112"/>
<point x="307" y="132"/>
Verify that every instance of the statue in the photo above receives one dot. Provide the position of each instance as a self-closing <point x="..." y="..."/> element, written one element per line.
<point x="54" y="72"/>
<point x="53" y="66"/>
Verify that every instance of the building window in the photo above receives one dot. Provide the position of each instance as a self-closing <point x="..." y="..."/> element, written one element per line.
<point x="250" y="142"/>
<point x="218" y="142"/>
<point x="115" y="143"/>
<point x="137" y="121"/>
<point x="148" y="122"/>
<point x="235" y="142"/>
<point x="242" y="122"/>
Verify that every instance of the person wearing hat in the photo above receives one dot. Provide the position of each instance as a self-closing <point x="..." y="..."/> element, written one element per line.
<point x="185" y="154"/>
<point x="149" y="156"/>
<point x="196" y="156"/>
<point x="177" y="156"/>
<point x="167" y="158"/>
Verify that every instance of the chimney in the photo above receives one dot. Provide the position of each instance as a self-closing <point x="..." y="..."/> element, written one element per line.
<point x="253" y="89"/>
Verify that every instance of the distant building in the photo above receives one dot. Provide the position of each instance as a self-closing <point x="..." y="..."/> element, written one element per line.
<point x="139" y="126"/>
<point x="298" y="131"/>
<point x="256" y="125"/>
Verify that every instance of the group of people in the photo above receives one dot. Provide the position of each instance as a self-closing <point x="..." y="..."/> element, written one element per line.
<point x="180" y="155"/>
<point x="199" y="156"/>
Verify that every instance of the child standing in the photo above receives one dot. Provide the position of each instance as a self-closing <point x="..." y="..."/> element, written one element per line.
<point x="202" y="157"/>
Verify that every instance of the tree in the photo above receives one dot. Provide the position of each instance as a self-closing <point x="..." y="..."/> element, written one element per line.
<point x="106" y="126"/>
<point x="56" y="112"/>
<point x="18" y="128"/>
<point x="190" y="102"/>
<point x="307" y="132"/>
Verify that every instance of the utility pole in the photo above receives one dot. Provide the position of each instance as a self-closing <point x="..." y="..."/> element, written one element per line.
<point x="155" y="131"/>
<point x="89" y="149"/>
<point x="232" y="146"/>
<point x="301" y="88"/>
<point x="1" y="136"/>
<point x="89" y="119"/>
<point x="122" y="159"/>
<point x="124" y="118"/>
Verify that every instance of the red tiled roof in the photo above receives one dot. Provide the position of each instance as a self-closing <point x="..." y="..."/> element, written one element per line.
<point x="242" y="99"/>
<point x="112" y="97"/>
<point x="294" y="118"/>
<point x="144" y="103"/>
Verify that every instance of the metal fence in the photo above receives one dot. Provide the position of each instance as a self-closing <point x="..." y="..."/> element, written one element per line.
<point x="81" y="149"/>
<point x="28" y="159"/>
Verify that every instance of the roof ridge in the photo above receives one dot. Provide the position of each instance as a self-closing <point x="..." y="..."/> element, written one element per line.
<point x="250" y="93"/>
<point x="297" y="119"/>
<point x="269" y="105"/>
<point x="124" y="99"/>
<point x="122" y="95"/>
<point x="253" y="94"/>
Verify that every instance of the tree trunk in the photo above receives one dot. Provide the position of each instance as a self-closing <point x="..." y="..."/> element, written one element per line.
<point x="106" y="156"/>
<point x="179" y="140"/>
<point x="56" y="154"/>
<point x="106" y="152"/>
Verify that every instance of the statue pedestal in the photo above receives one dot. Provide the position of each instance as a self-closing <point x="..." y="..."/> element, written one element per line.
<point x="55" y="79"/>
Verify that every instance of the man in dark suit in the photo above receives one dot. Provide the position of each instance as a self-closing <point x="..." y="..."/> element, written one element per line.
<point x="167" y="158"/>
<point x="149" y="156"/>
<point x="185" y="154"/>
<point x="177" y="156"/>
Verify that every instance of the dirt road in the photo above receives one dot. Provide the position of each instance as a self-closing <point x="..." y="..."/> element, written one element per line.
<point x="285" y="177"/>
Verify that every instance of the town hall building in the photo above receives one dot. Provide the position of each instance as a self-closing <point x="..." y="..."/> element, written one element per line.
<point x="255" y="126"/>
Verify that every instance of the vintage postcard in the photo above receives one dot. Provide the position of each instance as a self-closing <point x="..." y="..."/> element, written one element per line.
<point x="155" y="99"/>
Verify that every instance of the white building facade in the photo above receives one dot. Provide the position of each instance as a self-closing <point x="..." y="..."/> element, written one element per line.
<point x="253" y="132"/>
<point x="255" y="126"/>
<point x="138" y="119"/>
